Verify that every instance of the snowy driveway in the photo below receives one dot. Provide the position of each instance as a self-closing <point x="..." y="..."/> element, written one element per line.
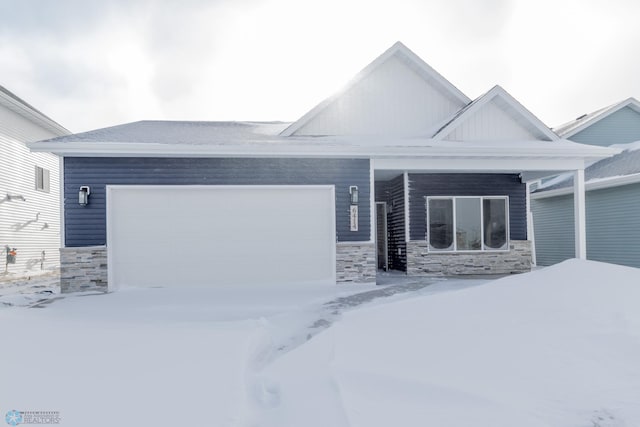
<point x="159" y="356"/>
<point x="557" y="347"/>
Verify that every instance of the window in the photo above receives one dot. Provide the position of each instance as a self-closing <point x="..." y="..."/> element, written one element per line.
<point x="42" y="179"/>
<point x="467" y="223"/>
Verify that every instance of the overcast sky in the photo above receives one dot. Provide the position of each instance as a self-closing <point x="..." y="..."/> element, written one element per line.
<point x="92" y="64"/>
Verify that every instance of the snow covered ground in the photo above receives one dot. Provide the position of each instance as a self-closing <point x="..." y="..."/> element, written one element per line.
<point x="556" y="347"/>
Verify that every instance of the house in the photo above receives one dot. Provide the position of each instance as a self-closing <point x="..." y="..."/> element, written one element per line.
<point x="29" y="191"/>
<point x="400" y="170"/>
<point x="612" y="192"/>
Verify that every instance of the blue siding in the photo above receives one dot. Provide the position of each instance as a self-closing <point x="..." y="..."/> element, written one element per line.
<point x="449" y="184"/>
<point x="621" y="127"/>
<point x="553" y="229"/>
<point x="87" y="226"/>
<point x="613" y="226"/>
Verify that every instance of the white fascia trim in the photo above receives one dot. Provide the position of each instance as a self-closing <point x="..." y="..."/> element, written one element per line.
<point x="441" y="164"/>
<point x="629" y="102"/>
<point x="328" y="150"/>
<point x="599" y="184"/>
<point x="497" y="91"/>
<point x="34" y="116"/>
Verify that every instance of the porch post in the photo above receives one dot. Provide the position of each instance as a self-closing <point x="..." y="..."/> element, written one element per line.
<point x="579" y="209"/>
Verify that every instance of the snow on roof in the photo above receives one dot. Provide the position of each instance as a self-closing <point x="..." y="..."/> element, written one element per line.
<point x="258" y="133"/>
<point x="569" y="129"/>
<point x="263" y="139"/>
<point x="179" y="132"/>
<point x="623" y="164"/>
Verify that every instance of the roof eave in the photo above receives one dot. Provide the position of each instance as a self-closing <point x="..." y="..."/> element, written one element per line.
<point x="634" y="103"/>
<point x="93" y="149"/>
<point x="33" y="115"/>
<point x="600" y="184"/>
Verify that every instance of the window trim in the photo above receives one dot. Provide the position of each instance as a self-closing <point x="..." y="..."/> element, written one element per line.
<point x="455" y="240"/>
<point x="43" y="176"/>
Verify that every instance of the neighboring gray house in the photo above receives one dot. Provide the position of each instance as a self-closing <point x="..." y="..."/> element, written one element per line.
<point x="612" y="192"/>
<point x="29" y="191"/>
<point x="400" y="170"/>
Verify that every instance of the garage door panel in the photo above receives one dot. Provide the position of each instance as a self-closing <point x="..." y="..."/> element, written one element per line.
<point x="208" y="235"/>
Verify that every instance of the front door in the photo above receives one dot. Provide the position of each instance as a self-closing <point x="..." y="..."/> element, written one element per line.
<point x="381" y="235"/>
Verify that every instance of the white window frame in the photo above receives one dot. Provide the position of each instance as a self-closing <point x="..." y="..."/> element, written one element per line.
<point x="455" y="240"/>
<point x="43" y="179"/>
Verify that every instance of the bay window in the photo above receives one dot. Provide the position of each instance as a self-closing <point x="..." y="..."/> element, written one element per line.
<point x="467" y="223"/>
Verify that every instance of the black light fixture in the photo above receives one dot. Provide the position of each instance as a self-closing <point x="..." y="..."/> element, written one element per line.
<point x="353" y="191"/>
<point x="83" y="195"/>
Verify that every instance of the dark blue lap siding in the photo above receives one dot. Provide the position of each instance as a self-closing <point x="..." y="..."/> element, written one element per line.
<point x="450" y="184"/>
<point x="87" y="226"/>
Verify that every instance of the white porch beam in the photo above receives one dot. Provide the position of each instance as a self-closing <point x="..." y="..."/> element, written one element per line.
<point x="579" y="212"/>
<point x="497" y="165"/>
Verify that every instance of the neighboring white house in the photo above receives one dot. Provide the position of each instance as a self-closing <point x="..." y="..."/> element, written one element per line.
<point x="612" y="192"/>
<point x="29" y="191"/>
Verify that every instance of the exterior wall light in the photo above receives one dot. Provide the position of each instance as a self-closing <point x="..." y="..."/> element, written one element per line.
<point x="353" y="191"/>
<point x="83" y="195"/>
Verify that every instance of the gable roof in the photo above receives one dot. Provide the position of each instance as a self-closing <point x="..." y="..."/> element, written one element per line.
<point x="567" y="130"/>
<point x="14" y="103"/>
<point x="509" y="104"/>
<point x="398" y="50"/>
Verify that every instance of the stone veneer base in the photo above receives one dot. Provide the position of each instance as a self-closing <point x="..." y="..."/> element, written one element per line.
<point x="421" y="262"/>
<point x="355" y="262"/>
<point x="85" y="268"/>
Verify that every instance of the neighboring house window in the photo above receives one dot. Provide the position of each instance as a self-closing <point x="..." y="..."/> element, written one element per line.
<point x="42" y="179"/>
<point x="468" y="223"/>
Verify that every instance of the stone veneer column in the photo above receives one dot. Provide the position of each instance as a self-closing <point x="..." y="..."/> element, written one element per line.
<point x="355" y="262"/>
<point x="83" y="269"/>
<point x="422" y="262"/>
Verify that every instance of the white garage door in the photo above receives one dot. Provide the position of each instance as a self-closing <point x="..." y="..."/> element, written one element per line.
<point x="220" y="235"/>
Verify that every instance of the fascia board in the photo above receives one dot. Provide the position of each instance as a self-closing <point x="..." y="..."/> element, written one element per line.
<point x="33" y="116"/>
<point x="587" y="153"/>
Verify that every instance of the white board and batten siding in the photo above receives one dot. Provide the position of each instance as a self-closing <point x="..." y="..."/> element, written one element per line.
<point x="219" y="235"/>
<point x="391" y="100"/>
<point x="32" y="225"/>
<point x="492" y="122"/>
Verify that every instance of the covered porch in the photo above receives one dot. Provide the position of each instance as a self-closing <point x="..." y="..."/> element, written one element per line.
<point x="463" y="216"/>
